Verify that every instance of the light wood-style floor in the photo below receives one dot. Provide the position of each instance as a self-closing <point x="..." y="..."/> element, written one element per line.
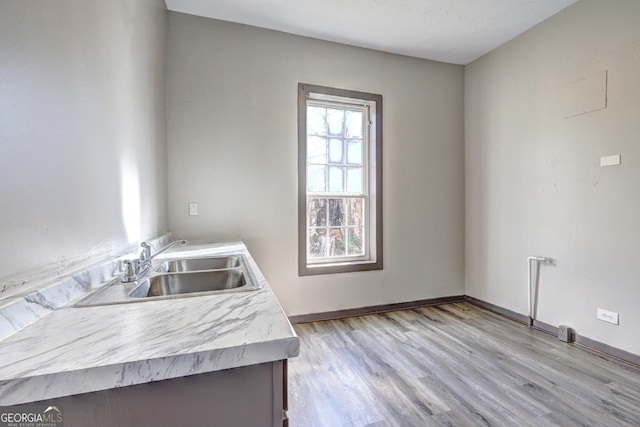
<point x="452" y="365"/>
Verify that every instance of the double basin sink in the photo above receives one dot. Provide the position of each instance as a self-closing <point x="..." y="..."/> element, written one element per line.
<point x="177" y="278"/>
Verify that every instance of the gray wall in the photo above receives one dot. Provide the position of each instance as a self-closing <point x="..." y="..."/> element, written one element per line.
<point x="232" y="120"/>
<point x="82" y="130"/>
<point x="533" y="181"/>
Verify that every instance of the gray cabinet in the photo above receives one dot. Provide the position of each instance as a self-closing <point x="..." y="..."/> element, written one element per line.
<point x="254" y="395"/>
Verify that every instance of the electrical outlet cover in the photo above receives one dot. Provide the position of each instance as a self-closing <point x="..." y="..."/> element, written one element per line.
<point x="608" y="316"/>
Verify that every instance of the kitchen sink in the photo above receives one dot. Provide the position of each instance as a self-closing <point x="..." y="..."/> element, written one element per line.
<point x="179" y="278"/>
<point x="187" y="283"/>
<point x="197" y="264"/>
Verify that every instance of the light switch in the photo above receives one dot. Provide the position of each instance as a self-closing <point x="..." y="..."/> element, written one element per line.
<point x="193" y="209"/>
<point x="610" y="160"/>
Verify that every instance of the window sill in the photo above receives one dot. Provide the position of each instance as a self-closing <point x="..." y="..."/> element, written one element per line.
<point x="335" y="268"/>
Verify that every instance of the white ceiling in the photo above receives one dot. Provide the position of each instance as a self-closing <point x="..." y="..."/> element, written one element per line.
<point x="454" y="31"/>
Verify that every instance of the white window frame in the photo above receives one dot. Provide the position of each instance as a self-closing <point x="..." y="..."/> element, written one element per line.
<point x="371" y="105"/>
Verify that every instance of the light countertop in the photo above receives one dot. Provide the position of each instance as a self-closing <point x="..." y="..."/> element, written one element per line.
<point x="73" y="350"/>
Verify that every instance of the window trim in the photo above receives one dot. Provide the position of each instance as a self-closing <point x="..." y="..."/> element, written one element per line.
<point x="375" y="193"/>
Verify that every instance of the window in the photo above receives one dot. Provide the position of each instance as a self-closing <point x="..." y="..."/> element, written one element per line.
<point x="339" y="180"/>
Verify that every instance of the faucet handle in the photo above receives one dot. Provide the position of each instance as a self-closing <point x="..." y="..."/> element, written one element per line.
<point x="131" y="269"/>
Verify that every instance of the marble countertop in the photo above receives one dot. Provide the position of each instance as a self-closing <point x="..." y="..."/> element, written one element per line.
<point x="72" y="350"/>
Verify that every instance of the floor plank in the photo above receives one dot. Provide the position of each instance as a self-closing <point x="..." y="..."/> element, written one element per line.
<point x="452" y="365"/>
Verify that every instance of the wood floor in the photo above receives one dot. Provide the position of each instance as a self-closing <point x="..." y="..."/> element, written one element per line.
<point x="452" y="365"/>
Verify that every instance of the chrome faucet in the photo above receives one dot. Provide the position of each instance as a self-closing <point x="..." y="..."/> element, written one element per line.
<point x="134" y="269"/>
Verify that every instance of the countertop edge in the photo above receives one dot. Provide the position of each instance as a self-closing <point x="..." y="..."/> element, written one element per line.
<point x="37" y="388"/>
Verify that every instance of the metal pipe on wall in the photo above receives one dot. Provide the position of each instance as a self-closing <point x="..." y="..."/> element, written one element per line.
<point x="530" y="299"/>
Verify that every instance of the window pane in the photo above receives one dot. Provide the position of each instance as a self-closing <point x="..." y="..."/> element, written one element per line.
<point x="336" y="212"/>
<point x="316" y="178"/>
<point x="317" y="212"/>
<point x="353" y="124"/>
<point x="354" y="152"/>
<point x="354" y="180"/>
<point x="335" y="119"/>
<point x="317" y="242"/>
<point x="335" y="150"/>
<point x="354" y="241"/>
<point x="316" y="150"/>
<point x="337" y="242"/>
<point x="336" y="179"/>
<point x="355" y="211"/>
<point x="316" y="120"/>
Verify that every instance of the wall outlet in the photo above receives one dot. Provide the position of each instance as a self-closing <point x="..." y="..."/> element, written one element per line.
<point x="193" y="209"/>
<point x="608" y="316"/>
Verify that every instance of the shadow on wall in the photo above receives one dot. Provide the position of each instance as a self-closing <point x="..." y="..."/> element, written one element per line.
<point x="130" y="194"/>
